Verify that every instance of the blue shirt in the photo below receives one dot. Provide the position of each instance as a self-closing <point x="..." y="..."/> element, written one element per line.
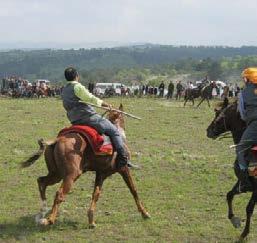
<point x="241" y="106"/>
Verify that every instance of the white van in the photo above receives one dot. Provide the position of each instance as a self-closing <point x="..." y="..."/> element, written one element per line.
<point x="42" y="82"/>
<point x="101" y="87"/>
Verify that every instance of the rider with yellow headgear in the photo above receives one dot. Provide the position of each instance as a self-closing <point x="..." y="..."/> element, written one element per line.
<point x="248" y="112"/>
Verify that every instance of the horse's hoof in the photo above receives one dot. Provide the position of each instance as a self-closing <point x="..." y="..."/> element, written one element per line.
<point x="43" y="222"/>
<point x="38" y="217"/>
<point x="92" y="226"/>
<point x="146" y="215"/>
<point x="240" y="240"/>
<point x="236" y="222"/>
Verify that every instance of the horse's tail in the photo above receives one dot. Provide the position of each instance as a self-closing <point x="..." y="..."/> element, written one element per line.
<point x="42" y="147"/>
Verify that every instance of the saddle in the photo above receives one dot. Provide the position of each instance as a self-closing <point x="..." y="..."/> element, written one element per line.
<point x="252" y="168"/>
<point x="100" y="144"/>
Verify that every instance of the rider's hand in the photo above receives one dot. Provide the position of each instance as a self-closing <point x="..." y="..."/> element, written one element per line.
<point x="104" y="104"/>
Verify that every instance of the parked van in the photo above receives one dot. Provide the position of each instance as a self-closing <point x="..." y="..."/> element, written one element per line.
<point x="100" y="88"/>
<point x="42" y="82"/>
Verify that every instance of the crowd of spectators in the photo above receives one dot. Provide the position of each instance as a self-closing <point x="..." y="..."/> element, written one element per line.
<point x="18" y="87"/>
<point x="176" y="90"/>
<point x="172" y="90"/>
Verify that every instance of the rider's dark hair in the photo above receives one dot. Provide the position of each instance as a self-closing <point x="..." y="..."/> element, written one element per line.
<point x="70" y="73"/>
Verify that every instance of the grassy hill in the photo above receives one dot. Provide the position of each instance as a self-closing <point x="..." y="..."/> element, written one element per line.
<point x="183" y="181"/>
<point x="49" y="64"/>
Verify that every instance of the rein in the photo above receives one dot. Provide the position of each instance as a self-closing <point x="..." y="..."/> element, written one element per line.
<point x="225" y="135"/>
<point x="108" y="109"/>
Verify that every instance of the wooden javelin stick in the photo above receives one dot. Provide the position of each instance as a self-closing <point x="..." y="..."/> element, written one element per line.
<point x="108" y="109"/>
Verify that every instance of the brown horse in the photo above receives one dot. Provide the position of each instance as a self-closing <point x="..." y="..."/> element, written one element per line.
<point x="67" y="157"/>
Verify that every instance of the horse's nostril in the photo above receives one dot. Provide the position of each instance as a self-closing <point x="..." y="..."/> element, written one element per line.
<point x="210" y="133"/>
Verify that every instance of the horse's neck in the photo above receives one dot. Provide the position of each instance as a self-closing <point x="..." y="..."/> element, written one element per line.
<point x="122" y="131"/>
<point x="237" y="128"/>
<point x="120" y="124"/>
<point x="237" y="134"/>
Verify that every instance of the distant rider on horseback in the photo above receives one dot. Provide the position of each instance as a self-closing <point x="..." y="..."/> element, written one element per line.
<point x="248" y="112"/>
<point x="79" y="113"/>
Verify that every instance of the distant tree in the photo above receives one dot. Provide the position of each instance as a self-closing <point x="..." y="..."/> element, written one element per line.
<point x="214" y="71"/>
<point x="129" y="63"/>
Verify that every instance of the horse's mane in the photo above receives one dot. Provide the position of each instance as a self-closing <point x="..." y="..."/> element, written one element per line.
<point x="226" y="102"/>
<point x="219" y="105"/>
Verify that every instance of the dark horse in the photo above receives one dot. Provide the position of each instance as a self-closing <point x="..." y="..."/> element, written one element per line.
<point x="203" y="91"/>
<point x="67" y="157"/>
<point x="228" y="119"/>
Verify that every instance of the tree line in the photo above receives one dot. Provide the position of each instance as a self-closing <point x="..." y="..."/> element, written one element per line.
<point x="129" y="64"/>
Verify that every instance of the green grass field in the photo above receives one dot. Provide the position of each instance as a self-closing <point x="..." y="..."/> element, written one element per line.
<point x="183" y="181"/>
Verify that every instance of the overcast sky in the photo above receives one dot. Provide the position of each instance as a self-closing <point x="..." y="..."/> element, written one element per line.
<point x="175" y="22"/>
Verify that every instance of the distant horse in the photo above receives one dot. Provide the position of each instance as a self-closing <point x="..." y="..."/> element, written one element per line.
<point x="228" y="119"/>
<point x="67" y="157"/>
<point x="205" y="92"/>
<point x="41" y="92"/>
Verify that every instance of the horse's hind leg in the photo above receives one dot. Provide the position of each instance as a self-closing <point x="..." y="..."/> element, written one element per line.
<point x="208" y="102"/>
<point x="52" y="177"/>
<point x="45" y="181"/>
<point x="60" y="197"/>
<point x="200" y="102"/>
<point x="185" y="102"/>
<point x="99" y="179"/>
<point x="125" y="173"/>
<point x="193" y="101"/>
<point x="230" y="196"/>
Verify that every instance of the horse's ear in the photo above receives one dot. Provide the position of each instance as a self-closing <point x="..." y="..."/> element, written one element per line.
<point x="121" y="107"/>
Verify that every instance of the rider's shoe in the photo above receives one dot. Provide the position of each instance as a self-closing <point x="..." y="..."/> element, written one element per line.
<point x="245" y="184"/>
<point x="121" y="161"/>
<point x="133" y="166"/>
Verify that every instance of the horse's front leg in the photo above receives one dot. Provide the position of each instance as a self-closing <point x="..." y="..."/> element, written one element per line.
<point x="230" y="196"/>
<point x="125" y="173"/>
<point x="99" y="179"/>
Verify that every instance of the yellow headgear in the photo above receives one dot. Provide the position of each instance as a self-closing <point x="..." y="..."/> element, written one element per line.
<point x="250" y="74"/>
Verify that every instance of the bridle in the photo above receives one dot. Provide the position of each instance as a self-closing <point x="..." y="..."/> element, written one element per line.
<point x="222" y="116"/>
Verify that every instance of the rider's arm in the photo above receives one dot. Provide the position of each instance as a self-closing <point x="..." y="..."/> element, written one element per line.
<point x="241" y="106"/>
<point x="82" y="93"/>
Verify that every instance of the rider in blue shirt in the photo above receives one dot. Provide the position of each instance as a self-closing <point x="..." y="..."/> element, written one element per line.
<point x="248" y="112"/>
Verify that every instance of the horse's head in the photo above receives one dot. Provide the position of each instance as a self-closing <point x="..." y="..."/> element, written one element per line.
<point x="117" y="118"/>
<point x="226" y="119"/>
